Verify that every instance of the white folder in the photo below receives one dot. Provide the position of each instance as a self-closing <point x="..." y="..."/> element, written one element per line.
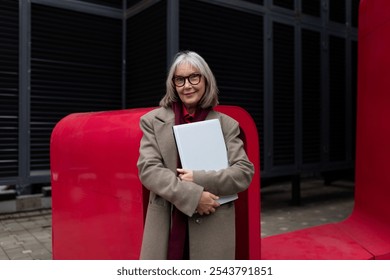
<point x="201" y="146"/>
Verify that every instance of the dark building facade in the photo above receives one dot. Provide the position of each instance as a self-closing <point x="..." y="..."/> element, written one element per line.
<point x="290" y="63"/>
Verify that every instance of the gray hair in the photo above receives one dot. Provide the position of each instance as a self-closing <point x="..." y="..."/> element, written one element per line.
<point x="210" y="97"/>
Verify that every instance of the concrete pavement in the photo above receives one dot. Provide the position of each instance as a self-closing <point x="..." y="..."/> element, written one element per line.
<point x="26" y="235"/>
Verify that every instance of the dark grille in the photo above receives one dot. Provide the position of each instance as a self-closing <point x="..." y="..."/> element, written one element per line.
<point x="233" y="51"/>
<point x="337" y="99"/>
<point x="259" y="2"/>
<point x="355" y="12"/>
<point x="311" y="96"/>
<point x="284" y="94"/>
<point x="110" y="3"/>
<point x="311" y="7"/>
<point x="354" y="54"/>
<point x="132" y="2"/>
<point x="288" y="4"/>
<point x="75" y="67"/>
<point x="146" y="57"/>
<point x="9" y="86"/>
<point x="337" y="11"/>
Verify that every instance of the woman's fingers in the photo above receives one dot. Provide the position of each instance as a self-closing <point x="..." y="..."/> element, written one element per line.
<point x="207" y="203"/>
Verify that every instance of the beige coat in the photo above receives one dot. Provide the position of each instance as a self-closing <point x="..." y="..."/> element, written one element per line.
<point x="210" y="236"/>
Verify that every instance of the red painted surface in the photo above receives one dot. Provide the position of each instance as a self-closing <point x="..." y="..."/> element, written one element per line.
<point x="366" y="233"/>
<point x="369" y="223"/>
<point x="97" y="199"/>
<point x="98" y="202"/>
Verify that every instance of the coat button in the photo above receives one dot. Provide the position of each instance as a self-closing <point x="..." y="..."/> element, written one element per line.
<point x="198" y="220"/>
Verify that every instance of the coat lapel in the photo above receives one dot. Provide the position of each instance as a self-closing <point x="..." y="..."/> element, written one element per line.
<point x="212" y="115"/>
<point x="165" y="139"/>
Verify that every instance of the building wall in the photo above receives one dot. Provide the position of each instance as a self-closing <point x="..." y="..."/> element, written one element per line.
<point x="290" y="63"/>
<point x="62" y="57"/>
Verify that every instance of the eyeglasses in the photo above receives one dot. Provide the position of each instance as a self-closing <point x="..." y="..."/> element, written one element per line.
<point x="193" y="79"/>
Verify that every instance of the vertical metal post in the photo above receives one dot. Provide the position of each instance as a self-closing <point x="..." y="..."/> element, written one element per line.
<point x="348" y="75"/>
<point x="24" y="94"/>
<point x="325" y="83"/>
<point x="296" y="182"/>
<point x="268" y="91"/>
<point x="298" y="97"/>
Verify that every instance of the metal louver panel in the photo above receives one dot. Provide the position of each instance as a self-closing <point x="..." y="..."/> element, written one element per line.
<point x="76" y="65"/>
<point x="311" y="7"/>
<point x="311" y="97"/>
<point x="130" y="3"/>
<point x="259" y="2"/>
<point x="354" y="67"/>
<point x="337" y="99"/>
<point x="9" y="85"/>
<point x="337" y="11"/>
<point x="233" y="51"/>
<point x="288" y="4"/>
<point x="110" y="3"/>
<point x="146" y="57"/>
<point x="283" y="94"/>
<point x="355" y="12"/>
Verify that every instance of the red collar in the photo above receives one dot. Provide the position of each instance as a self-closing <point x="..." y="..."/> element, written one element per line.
<point x="187" y="116"/>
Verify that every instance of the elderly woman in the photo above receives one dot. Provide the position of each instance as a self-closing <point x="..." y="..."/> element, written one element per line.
<point x="184" y="219"/>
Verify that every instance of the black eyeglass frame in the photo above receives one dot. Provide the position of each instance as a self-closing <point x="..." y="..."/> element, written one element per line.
<point x="188" y="79"/>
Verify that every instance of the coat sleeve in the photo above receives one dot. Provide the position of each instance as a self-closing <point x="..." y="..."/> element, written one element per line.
<point x="238" y="175"/>
<point x="159" y="179"/>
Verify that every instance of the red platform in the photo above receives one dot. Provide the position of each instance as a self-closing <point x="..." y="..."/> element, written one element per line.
<point x="98" y="202"/>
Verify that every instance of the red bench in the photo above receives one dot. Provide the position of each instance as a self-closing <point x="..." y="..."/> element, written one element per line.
<point x="366" y="233"/>
<point x="98" y="202"/>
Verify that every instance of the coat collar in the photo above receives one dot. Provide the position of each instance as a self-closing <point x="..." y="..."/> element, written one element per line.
<point x="166" y="115"/>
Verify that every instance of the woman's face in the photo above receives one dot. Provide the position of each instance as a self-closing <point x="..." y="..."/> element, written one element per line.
<point x="190" y="94"/>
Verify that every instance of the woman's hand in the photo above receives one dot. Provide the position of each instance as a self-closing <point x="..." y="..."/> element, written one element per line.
<point x="185" y="175"/>
<point x="207" y="204"/>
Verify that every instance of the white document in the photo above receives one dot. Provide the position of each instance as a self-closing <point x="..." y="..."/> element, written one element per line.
<point x="201" y="146"/>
